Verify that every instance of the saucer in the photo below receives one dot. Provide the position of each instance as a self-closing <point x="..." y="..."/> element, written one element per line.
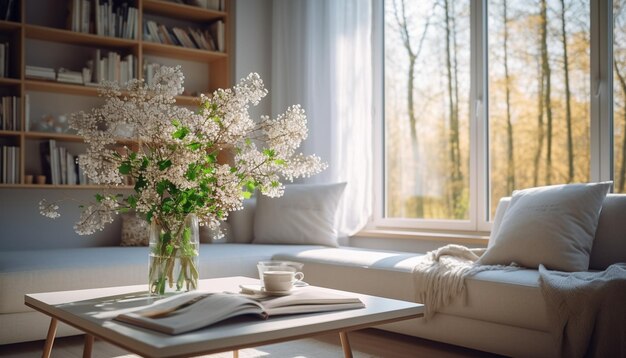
<point x="260" y="290"/>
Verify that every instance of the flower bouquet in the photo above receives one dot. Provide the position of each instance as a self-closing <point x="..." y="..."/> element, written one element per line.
<point x="185" y="166"/>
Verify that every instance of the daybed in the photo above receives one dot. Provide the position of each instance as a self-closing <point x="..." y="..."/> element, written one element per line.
<point x="503" y="312"/>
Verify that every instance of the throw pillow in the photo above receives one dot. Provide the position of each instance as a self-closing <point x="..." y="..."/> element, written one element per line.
<point x="135" y="230"/>
<point x="304" y="215"/>
<point x="551" y="225"/>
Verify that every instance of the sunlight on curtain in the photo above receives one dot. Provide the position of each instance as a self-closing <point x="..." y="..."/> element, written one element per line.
<point x="321" y="58"/>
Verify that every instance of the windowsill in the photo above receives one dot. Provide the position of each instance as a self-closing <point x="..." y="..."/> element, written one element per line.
<point x="479" y="238"/>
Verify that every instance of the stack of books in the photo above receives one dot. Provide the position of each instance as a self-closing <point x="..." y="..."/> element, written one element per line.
<point x="10" y="164"/>
<point x="212" y="39"/>
<point x="10" y="113"/>
<point x="40" y="73"/>
<point x="67" y="76"/>
<point x="104" y="18"/>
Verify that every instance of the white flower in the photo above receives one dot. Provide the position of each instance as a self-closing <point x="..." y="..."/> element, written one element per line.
<point x="49" y="209"/>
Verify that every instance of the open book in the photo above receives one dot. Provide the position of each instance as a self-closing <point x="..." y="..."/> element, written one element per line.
<point x="193" y="310"/>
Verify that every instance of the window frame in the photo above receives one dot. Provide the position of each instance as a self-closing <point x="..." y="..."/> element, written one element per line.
<point x="601" y="118"/>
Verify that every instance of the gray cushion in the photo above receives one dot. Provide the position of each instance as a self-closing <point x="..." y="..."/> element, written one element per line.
<point x="304" y="215"/>
<point x="550" y="225"/>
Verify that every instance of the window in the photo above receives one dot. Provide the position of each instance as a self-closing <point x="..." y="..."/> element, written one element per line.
<point x="485" y="97"/>
<point x="539" y="97"/>
<point x="427" y="72"/>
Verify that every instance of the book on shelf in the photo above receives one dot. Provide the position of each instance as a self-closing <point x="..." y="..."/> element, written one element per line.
<point x="10" y="113"/>
<point x="4" y="59"/>
<point x="217" y="30"/>
<point x="193" y="310"/>
<point x="10" y="165"/>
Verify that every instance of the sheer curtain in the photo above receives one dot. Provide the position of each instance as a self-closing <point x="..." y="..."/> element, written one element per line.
<point x="322" y="59"/>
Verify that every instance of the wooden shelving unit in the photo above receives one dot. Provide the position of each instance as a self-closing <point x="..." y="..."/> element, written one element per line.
<point x="20" y="31"/>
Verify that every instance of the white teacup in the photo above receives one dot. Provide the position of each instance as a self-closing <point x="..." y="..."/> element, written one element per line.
<point x="275" y="281"/>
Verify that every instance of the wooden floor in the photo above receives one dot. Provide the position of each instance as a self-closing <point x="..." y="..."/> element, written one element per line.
<point x="369" y="343"/>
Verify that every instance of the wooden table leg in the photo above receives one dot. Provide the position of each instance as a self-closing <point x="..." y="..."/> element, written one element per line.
<point x="345" y="344"/>
<point x="52" y="331"/>
<point x="88" y="347"/>
<point x="236" y="353"/>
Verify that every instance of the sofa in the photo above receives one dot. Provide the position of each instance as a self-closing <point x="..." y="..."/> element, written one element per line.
<point x="502" y="312"/>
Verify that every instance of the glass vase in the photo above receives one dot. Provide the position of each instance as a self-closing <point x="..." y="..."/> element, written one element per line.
<point x="174" y="256"/>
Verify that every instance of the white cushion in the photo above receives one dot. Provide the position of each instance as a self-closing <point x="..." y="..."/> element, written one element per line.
<point x="304" y="215"/>
<point x="552" y="225"/>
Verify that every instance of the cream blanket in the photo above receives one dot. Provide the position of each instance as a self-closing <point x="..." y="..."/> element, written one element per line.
<point x="588" y="310"/>
<point x="440" y="275"/>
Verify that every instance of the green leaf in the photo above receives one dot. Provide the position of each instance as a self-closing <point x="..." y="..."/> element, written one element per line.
<point x="246" y="194"/>
<point x="141" y="183"/>
<point x="161" y="186"/>
<point x="180" y="133"/>
<point x="167" y="205"/>
<point x="164" y="164"/>
<point x="176" y="123"/>
<point x="280" y="162"/>
<point x="132" y="201"/>
<point x="275" y="184"/>
<point x="123" y="210"/>
<point x="149" y="215"/>
<point x="169" y="249"/>
<point x="194" y="146"/>
<point x="270" y="153"/>
<point x="125" y="168"/>
<point x="99" y="198"/>
<point x="251" y="185"/>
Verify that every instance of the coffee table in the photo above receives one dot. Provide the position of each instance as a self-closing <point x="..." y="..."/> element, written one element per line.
<point x="92" y="310"/>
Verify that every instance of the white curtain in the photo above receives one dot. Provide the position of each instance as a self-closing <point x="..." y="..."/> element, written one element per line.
<point x="322" y="59"/>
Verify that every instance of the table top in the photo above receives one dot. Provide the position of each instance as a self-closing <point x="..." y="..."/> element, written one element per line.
<point x="92" y="311"/>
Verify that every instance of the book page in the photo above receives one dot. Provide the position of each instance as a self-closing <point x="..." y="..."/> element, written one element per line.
<point x="309" y="295"/>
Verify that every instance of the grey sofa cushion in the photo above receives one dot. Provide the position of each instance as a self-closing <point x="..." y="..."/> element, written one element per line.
<point x="609" y="243"/>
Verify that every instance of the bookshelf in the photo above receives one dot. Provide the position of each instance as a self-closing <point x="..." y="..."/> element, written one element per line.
<point x="37" y="32"/>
